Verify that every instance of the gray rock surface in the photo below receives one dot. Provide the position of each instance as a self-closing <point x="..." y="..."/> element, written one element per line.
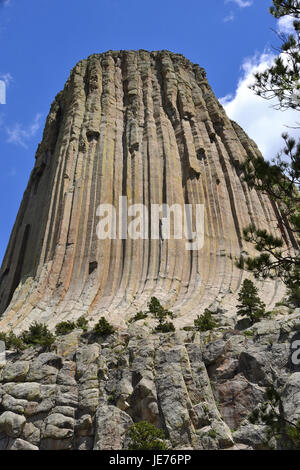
<point x="200" y="390"/>
<point x="12" y="424"/>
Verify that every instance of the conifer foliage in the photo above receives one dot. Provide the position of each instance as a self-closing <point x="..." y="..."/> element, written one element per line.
<point x="271" y="413"/>
<point x="250" y="304"/>
<point x="279" y="256"/>
<point x="205" y="322"/>
<point x="145" y="436"/>
<point x="161" y="314"/>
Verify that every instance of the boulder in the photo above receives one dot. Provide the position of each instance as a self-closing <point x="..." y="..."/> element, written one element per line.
<point x="12" y="424"/>
<point x="111" y="425"/>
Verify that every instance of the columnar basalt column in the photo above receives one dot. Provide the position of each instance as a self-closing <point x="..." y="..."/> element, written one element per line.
<point x="146" y="126"/>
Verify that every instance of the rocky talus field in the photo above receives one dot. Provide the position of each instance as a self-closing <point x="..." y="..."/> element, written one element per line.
<point x="198" y="387"/>
<point x="145" y="127"/>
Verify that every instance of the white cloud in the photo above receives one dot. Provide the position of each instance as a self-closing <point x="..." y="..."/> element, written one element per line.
<point x="285" y="25"/>
<point x="5" y="2"/>
<point x="259" y="119"/>
<point x="20" y="135"/>
<point x="229" y="18"/>
<point x="241" y="3"/>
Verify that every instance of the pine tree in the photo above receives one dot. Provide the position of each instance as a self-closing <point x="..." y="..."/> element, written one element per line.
<point x="250" y="304"/>
<point x="271" y="413"/>
<point x="205" y="322"/>
<point x="282" y="79"/>
<point x="294" y="295"/>
<point x="161" y="314"/>
<point x="279" y="179"/>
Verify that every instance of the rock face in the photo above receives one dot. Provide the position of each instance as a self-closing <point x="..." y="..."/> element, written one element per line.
<point x="198" y="387"/>
<point x="145" y="126"/>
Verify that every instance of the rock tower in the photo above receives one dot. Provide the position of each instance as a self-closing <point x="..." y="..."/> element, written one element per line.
<point x="145" y="126"/>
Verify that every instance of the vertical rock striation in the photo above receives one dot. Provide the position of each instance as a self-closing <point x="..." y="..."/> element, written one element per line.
<point x="145" y="125"/>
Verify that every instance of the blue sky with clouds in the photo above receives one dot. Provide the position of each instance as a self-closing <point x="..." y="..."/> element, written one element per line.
<point x="41" y="40"/>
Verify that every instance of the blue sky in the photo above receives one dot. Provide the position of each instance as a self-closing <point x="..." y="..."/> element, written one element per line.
<point x="41" y="40"/>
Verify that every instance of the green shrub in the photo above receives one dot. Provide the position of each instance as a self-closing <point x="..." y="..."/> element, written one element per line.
<point x="3" y="337"/>
<point x="166" y="327"/>
<point x="103" y="327"/>
<point x="188" y="328"/>
<point x="82" y="323"/>
<point x="145" y="436"/>
<point x="205" y="322"/>
<point x="38" y="334"/>
<point x="248" y="333"/>
<point x="294" y="296"/>
<point x="138" y="316"/>
<point x="272" y="414"/>
<point x="282" y="303"/>
<point x="12" y="341"/>
<point x="15" y="342"/>
<point x="64" y="327"/>
<point x="111" y="399"/>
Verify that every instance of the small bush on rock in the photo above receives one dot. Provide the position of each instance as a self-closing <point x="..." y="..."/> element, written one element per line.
<point x="145" y="436"/>
<point x="12" y="341"/>
<point x="38" y="334"/>
<point x="166" y="327"/>
<point x="249" y="333"/>
<point x="82" y="323"/>
<point x="205" y="322"/>
<point x="103" y="327"/>
<point x="138" y="316"/>
<point x="64" y="327"/>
